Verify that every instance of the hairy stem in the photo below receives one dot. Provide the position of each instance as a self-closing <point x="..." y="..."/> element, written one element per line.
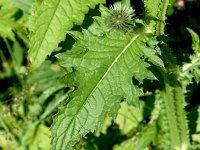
<point x="151" y="11"/>
<point x="173" y="100"/>
<point x="169" y="111"/>
<point x="155" y="11"/>
<point x="160" y="25"/>
<point x="181" y="116"/>
<point x="172" y="93"/>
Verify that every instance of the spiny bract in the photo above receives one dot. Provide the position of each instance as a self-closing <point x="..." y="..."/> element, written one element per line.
<point x="120" y="17"/>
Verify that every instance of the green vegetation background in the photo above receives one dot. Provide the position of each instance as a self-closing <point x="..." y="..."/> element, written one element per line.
<point x="29" y="100"/>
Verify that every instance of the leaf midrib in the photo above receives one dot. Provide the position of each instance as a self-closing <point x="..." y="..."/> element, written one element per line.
<point x="44" y="35"/>
<point x="115" y="60"/>
<point x="105" y="74"/>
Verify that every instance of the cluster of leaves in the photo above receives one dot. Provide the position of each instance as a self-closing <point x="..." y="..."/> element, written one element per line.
<point x="108" y="71"/>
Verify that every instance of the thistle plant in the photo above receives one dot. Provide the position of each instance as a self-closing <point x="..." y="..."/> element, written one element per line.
<point x="120" y="17"/>
<point x="93" y="69"/>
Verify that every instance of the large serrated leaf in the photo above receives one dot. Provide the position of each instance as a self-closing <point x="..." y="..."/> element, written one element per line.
<point x="104" y="62"/>
<point x="49" y="22"/>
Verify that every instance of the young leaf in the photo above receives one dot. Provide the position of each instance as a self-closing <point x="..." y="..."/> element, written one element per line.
<point x="49" y="22"/>
<point x="128" y="118"/>
<point x="195" y="41"/>
<point x="147" y="136"/>
<point x="104" y="62"/>
<point x="191" y="70"/>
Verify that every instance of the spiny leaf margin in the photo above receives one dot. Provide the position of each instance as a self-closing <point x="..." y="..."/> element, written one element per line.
<point x="105" y="62"/>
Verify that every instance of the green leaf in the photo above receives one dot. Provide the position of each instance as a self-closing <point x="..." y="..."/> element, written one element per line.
<point x="36" y="109"/>
<point x="6" y="19"/>
<point x="198" y="121"/>
<point x="128" y="118"/>
<point x="195" y="41"/>
<point x="25" y="5"/>
<point x="6" y="28"/>
<point x="45" y="77"/>
<point x="147" y="136"/>
<point x="8" y="9"/>
<point x="104" y="127"/>
<point x="104" y="62"/>
<point x="46" y="90"/>
<point x="126" y="2"/>
<point x="191" y="70"/>
<point x="155" y="15"/>
<point x="35" y="136"/>
<point x="42" y="139"/>
<point x="52" y="105"/>
<point x="18" y="54"/>
<point x="49" y="22"/>
<point x="126" y="145"/>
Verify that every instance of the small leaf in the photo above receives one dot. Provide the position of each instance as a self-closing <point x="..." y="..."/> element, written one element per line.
<point x="195" y="41"/>
<point x="128" y="117"/>
<point x="52" y="105"/>
<point x="147" y="136"/>
<point x="191" y="70"/>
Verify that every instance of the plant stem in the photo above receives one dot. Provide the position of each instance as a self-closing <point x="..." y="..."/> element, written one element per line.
<point x="173" y="101"/>
<point x="169" y="112"/>
<point x="181" y="116"/>
<point x="172" y="95"/>
<point x="151" y="13"/>
<point x="160" y="25"/>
